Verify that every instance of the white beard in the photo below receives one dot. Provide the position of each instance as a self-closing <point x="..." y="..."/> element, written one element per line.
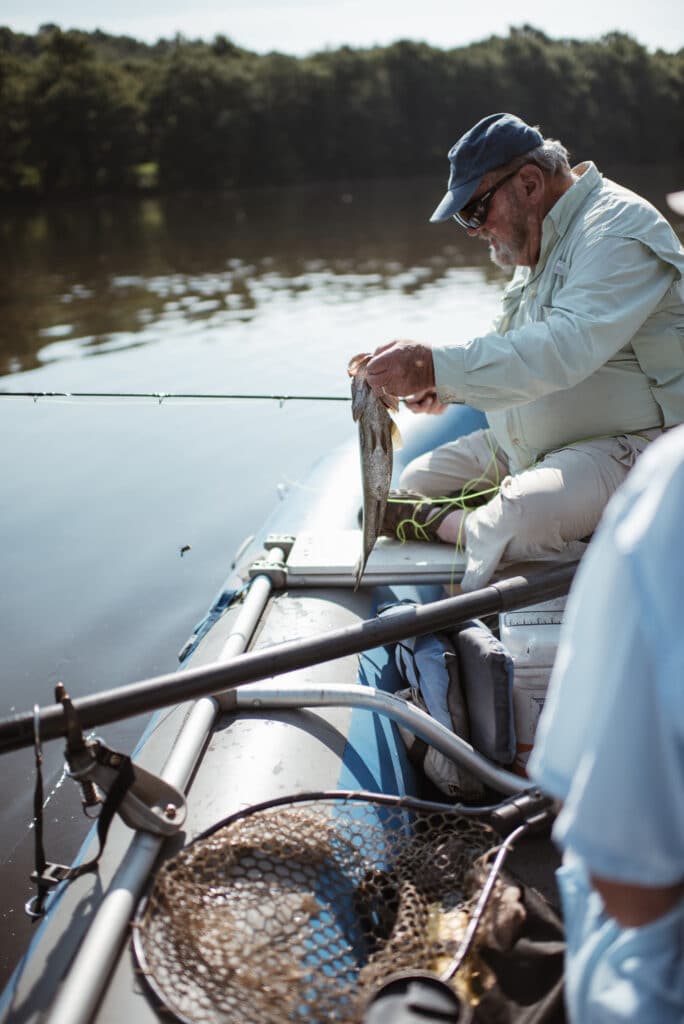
<point x="504" y="256"/>
<point x="508" y="254"/>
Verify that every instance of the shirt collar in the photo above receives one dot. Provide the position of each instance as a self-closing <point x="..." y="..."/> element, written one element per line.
<point x="562" y="213"/>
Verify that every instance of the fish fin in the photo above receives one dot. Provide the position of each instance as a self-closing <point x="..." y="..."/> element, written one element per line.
<point x="359" y="569"/>
<point x="390" y="402"/>
<point x="397" y="440"/>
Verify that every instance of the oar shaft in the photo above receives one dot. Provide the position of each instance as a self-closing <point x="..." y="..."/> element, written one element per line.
<point x="162" y="691"/>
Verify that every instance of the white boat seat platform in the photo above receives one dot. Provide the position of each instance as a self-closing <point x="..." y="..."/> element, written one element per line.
<point x="328" y="558"/>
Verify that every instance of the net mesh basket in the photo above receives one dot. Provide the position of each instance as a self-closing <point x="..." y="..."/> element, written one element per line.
<point x="299" y="912"/>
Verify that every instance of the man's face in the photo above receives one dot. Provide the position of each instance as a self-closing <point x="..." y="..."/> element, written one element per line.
<point x="505" y="231"/>
<point x="506" y="228"/>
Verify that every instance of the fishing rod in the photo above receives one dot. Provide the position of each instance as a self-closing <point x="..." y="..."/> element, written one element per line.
<point x="166" y="690"/>
<point x="162" y="396"/>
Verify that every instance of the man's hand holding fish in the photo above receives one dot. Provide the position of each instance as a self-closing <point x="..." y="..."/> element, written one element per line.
<point x="401" y="368"/>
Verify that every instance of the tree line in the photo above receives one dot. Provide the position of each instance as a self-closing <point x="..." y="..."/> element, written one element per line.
<point x="90" y="112"/>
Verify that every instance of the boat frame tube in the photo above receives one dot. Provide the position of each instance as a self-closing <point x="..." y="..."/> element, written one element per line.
<point x="163" y="691"/>
<point x="273" y="695"/>
<point x="83" y="986"/>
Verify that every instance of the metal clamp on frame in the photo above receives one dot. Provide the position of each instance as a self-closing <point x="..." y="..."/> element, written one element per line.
<point x="276" y="571"/>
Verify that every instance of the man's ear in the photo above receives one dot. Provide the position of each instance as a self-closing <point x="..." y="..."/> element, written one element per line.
<point x="532" y="179"/>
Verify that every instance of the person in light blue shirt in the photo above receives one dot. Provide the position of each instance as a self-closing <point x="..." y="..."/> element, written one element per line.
<point x="610" y="746"/>
<point x="581" y="371"/>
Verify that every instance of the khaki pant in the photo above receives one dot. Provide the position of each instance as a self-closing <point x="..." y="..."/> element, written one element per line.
<point x="546" y="512"/>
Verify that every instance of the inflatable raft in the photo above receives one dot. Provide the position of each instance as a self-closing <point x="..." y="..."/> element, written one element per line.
<point x="288" y="686"/>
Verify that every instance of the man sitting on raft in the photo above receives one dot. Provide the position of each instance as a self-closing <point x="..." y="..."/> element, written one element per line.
<point x="584" y="367"/>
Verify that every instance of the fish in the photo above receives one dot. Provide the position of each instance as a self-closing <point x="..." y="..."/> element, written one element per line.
<point x="378" y="437"/>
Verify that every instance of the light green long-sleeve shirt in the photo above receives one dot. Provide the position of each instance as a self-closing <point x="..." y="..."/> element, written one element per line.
<point x="590" y="341"/>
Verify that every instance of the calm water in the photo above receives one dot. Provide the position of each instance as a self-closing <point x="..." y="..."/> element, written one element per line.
<point x="259" y="293"/>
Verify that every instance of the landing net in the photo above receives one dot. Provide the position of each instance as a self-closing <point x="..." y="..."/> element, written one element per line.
<point x="299" y="912"/>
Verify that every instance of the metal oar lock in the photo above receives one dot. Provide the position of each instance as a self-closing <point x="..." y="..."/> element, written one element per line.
<point x="146" y="801"/>
<point x="108" y="780"/>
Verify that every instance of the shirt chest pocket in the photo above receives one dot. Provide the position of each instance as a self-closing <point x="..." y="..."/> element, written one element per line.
<point x="528" y="301"/>
<point x="554" y="280"/>
<point x="543" y="292"/>
<point x="510" y="305"/>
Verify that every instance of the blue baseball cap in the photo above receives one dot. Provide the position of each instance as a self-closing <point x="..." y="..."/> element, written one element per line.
<point x="491" y="143"/>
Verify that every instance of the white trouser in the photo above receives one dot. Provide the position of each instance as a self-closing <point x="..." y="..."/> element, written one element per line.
<point x="546" y="512"/>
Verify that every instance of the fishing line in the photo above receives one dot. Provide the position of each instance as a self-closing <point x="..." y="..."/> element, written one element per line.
<point x="162" y="396"/>
<point x="468" y="497"/>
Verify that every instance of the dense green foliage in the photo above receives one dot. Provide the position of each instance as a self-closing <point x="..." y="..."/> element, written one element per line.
<point x="91" y="112"/>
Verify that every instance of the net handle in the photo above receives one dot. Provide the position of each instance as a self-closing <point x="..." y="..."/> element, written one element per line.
<point x="487" y="890"/>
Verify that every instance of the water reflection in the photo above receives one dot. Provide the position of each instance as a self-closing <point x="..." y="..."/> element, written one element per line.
<point x="88" y="277"/>
<point x="93" y="276"/>
<point x="266" y="291"/>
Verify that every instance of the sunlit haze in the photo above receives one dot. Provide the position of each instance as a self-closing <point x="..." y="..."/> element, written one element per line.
<point x="308" y="25"/>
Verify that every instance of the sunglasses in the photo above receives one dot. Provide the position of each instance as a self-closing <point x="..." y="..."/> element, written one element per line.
<point x="474" y="214"/>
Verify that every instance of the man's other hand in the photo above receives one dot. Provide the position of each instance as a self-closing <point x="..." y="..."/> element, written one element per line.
<point x="425" y="401"/>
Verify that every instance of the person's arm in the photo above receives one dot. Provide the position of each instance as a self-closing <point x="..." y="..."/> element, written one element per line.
<point x="635" y="905"/>
<point x="610" y="742"/>
<point x="613" y="285"/>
